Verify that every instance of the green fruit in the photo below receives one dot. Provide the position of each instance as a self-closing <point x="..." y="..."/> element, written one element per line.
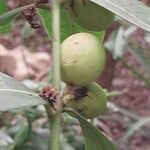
<point x="82" y="59"/>
<point x="92" y="105"/>
<point x="90" y="15"/>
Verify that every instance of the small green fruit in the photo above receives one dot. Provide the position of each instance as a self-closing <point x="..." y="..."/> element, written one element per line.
<point x="90" y="15"/>
<point x="92" y="105"/>
<point x="82" y="59"/>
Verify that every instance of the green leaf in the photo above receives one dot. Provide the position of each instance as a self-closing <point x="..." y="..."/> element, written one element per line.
<point x="46" y="19"/>
<point x="21" y="137"/>
<point x="14" y="95"/>
<point x="67" y="26"/>
<point x="7" y="17"/>
<point x="131" y="10"/>
<point x="5" y="29"/>
<point x="94" y="139"/>
<point x="3" y="9"/>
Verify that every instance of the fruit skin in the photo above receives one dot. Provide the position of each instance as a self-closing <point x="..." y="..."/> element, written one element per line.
<point x="82" y="59"/>
<point x="89" y="15"/>
<point x="92" y="105"/>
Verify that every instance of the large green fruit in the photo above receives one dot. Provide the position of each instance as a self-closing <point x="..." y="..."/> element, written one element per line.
<point x="82" y="59"/>
<point x="90" y="15"/>
<point x="91" y="105"/>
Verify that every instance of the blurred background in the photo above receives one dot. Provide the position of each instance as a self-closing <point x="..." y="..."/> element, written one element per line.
<point x="25" y="54"/>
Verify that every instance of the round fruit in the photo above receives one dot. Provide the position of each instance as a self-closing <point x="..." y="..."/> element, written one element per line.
<point x="91" y="105"/>
<point x="90" y="15"/>
<point x="82" y="59"/>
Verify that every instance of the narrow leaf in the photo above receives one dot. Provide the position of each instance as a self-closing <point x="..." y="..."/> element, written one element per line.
<point x="5" y="29"/>
<point x="14" y="95"/>
<point x="21" y="137"/>
<point x="131" y="10"/>
<point x="94" y="139"/>
<point x="141" y="56"/>
<point x="67" y="25"/>
<point x="46" y="19"/>
<point x="10" y="15"/>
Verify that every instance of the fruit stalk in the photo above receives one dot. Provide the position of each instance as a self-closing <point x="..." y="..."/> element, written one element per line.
<point x="55" y="119"/>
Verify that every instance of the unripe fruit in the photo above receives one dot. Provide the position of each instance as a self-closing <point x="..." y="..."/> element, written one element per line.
<point x="82" y="59"/>
<point x="91" y="105"/>
<point x="90" y="15"/>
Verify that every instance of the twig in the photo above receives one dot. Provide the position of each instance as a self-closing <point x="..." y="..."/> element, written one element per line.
<point x="139" y="75"/>
<point x="115" y="108"/>
<point x="132" y="129"/>
<point x="44" y="6"/>
<point x="115" y="93"/>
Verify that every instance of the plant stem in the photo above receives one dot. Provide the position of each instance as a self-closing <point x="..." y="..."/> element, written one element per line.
<point x="140" y="76"/>
<point x="55" y="119"/>
<point x="115" y="93"/>
<point x="56" y="43"/>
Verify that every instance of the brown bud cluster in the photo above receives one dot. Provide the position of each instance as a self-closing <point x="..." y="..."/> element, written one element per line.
<point x="49" y="94"/>
<point x="30" y="15"/>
